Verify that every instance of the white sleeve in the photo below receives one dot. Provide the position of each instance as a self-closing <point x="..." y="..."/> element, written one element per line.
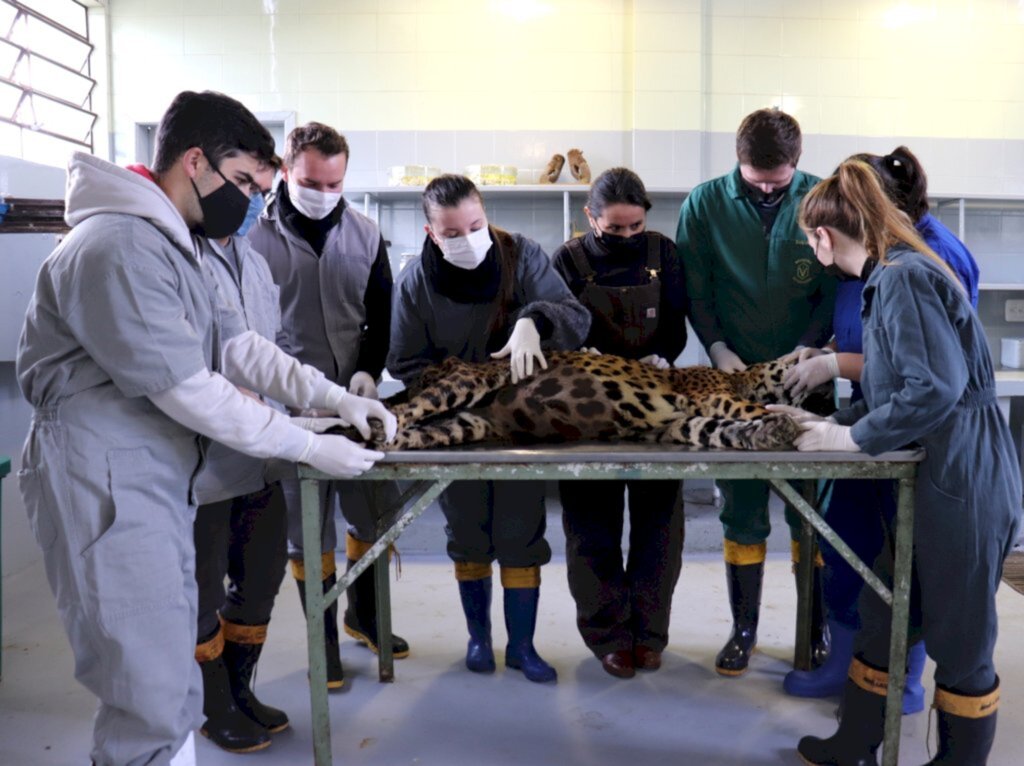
<point x="253" y="362"/>
<point x="208" y="404"/>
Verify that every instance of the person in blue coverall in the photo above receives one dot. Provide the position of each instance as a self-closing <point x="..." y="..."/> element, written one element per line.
<point x="906" y="184"/>
<point x="927" y="379"/>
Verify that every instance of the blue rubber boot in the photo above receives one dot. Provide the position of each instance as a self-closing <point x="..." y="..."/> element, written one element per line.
<point x="521" y="621"/>
<point x="829" y="679"/>
<point x="476" y="603"/>
<point x="913" y="692"/>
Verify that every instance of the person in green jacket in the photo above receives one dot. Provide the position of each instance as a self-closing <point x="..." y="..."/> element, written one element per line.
<point x="756" y="292"/>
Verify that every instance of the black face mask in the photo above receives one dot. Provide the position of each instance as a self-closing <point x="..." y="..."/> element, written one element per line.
<point x="771" y="199"/>
<point x="223" y="209"/>
<point x="619" y="243"/>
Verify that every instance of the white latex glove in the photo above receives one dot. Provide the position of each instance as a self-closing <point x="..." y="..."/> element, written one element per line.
<point x="591" y="350"/>
<point x="656" y="361"/>
<point x="799" y="415"/>
<point x="357" y="410"/>
<point x="800" y="353"/>
<point x="363" y="384"/>
<point x="811" y="373"/>
<point x="523" y="347"/>
<point x="313" y="412"/>
<point x="317" y="424"/>
<point x="339" y="457"/>
<point x="724" y="358"/>
<point x="825" y="436"/>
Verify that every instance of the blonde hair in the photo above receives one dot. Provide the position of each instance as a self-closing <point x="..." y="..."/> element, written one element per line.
<point x="853" y="201"/>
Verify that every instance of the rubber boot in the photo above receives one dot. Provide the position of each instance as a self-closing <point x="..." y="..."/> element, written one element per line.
<point x="967" y="727"/>
<point x="821" y="641"/>
<point x="913" y="692"/>
<point x="861" y="727"/>
<point x="243" y="645"/>
<point x="335" y="672"/>
<point x="360" y="620"/>
<point x="227" y="726"/>
<point x="744" y="573"/>
<point x="522" y="592"/>
<point x="829" y="680"/>
<point x="475" y="592"/>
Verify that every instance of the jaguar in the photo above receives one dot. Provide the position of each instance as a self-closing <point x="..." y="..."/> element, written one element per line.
<point x="582" y="396"/>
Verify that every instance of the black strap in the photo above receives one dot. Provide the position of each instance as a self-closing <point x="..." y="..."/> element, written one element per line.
<point x="579" y="259"/>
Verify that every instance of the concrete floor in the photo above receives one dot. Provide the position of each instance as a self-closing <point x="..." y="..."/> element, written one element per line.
<point x="436" y="712"/>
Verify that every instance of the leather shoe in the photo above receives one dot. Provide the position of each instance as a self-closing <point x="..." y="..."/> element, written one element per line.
<point x="619" y="664"/>
<point x="646" y="658"/>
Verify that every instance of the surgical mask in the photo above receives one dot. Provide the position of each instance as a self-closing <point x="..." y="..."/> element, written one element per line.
<point x="467" y="252"/>
<point x="313" y="204"/>
<point x="224" y="209"/>
<point x="255" y="208"/>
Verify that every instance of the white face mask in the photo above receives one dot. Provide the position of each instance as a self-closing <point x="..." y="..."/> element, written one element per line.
<point x="467" y="252"/>
<point x="312" y="203"/>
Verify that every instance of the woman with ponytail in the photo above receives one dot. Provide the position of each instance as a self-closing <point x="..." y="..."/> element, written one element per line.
<point x="927" y="379"/>
<point x="849" y="509"/>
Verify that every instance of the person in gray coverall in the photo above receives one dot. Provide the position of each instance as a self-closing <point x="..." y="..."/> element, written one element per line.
<point x="477" y="292"/>
<point x="128" y="360"/>
<point x="239" y="529"/>
<point x="928" y="379"/>
<point x="332" y="268"/>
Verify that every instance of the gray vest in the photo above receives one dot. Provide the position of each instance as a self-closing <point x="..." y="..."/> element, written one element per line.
<point x="322" y="310"/>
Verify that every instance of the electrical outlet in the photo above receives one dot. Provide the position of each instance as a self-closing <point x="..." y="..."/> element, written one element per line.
<point x="1015" y="310"/>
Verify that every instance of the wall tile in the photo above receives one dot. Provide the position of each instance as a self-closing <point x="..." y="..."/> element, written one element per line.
<point x="762" y="74"/>
<point x="395" y="147"/>
<point x="762" y="36"/>
<point x="654" y="151"/>
<point x="436" y="148"/>
<point x="667" y="32"/>
<point x="362" y="146"/>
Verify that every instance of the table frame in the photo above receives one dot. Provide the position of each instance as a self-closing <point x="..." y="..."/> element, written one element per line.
<point x="430" y="472"/>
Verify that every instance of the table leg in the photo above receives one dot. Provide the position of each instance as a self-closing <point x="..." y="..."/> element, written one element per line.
<point x="900" y="621"/>
<point x="315" y="605"/>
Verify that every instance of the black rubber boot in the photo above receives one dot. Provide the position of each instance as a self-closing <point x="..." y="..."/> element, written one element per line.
<point x="861" y="727"/>
<point x="967" y="727"/>
<point x="240" y="660"/>
<point x="360" y="620"/>
<point x="821" y="637"/>
<point x="744" y="581"/>
<point x="335" y="672"/>
<point x="476" y="605"/>
<point x="227" y="726"/>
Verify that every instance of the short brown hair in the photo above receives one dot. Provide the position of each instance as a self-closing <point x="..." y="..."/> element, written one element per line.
<point x="768" y="138"/>
<point x="314" y="135"/>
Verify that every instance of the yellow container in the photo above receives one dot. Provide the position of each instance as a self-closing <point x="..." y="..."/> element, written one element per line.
<point x="492" y="175"/>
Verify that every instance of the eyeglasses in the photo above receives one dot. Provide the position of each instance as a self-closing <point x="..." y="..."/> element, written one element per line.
<point x="245" y="182"/>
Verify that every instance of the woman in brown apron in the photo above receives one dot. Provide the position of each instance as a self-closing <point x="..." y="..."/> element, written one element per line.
<point x="631" y="280"/>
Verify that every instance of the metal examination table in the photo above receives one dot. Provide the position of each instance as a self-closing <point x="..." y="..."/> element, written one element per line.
<point x="426" y="474"/>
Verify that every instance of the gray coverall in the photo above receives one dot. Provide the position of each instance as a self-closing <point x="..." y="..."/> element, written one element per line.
<point x="121" y="310"/>
<point x="928" y="379"/>
<point x="484" y="523"/>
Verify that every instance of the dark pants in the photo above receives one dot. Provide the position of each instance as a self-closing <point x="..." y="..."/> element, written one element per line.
<point x="362" y="504"/>
<point x="243" y="539"/>
<point x="618" y="608"/>
<point x="952" y="597"/>
<point x="860" y="511"/>
<point x="744" y="514"/>
<point x="496" y="521"/>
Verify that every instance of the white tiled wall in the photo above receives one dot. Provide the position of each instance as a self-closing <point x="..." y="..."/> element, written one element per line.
<point x="658" y="85"/>
<point x="496" y="78"/>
